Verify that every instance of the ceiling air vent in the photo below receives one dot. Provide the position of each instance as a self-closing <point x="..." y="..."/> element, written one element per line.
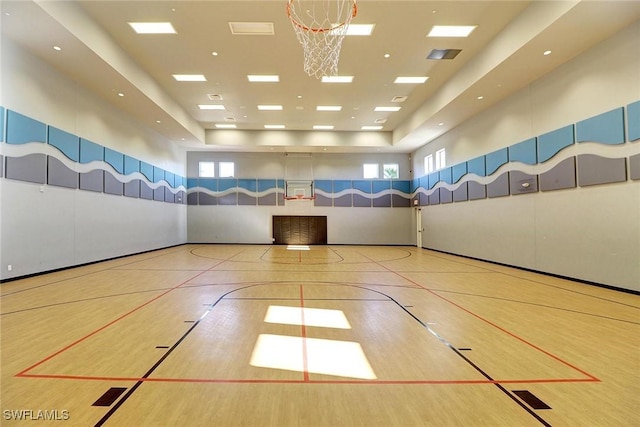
<point x="380" y="121"/>
<point x="214" y="97"/>
<point x="229" y="119"/>
<point x="252" y="28"/>
<point x="443" y="53"/>
<point x="398" y="99"/>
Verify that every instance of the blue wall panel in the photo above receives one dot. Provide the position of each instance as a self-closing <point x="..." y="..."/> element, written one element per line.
<point x="115" y="159"/>
<point x="477" y="166"/>
<point x="158" y="174"/>
<point x="66" y="142"/>
<point x="131" y="165"/>
<point x="434" y="178"/>
<point x="2" y="116"/>
<point x="551" y="143"/>
<point x="445" y="176"/>
<point x="22" y="129"/>
<point x="458" y="171"/>
<point x="267" y="184"/>
<point x="379" y="186"/>
<point x="402" y="185"/>
<point x="524" y="152"/>
<point x="147" y="170"/>
<point x="324" y="185"/>
<point x="90" y="151"/>
<point x="606" y="128"/>
<point x="362" y="185"/>
<point x="496" y="159"/>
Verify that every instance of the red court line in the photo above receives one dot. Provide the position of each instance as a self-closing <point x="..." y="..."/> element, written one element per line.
<point x="310" y="381"/>
<point x="511" y="334"/>
<point x="78" y="341"/>
<point x="303" y="333"/>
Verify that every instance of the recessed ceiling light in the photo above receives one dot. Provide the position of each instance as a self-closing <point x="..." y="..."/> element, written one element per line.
<point x="440" y="124"/>
<point x="546" y="52"/>
<point x="58" y="48"/>
<point x="225" y="126"/>
<point x="328" y="108"/>
<point x="360" y="29"/>
<point x="481" y="97"/>
<point x="410" y="79"/>
<point x="387" y="109"/>
<point x="322" y="127"/>
<point x="337" y="79"/>
<point x="214" y="53"/>
<point x="274" y="126"/>
<point x="120" y="94"/>
<point x="152" y="27"/>
<point x="263" y="78"/>
<point x="270" y="107"/>
<point x="371" y="127"/>
<point x="210" y="107"/>
<point x="299" y="97"/>
<point x="387" y="55"/>
<point x="252" y="28"/>
<point x="190" y="77"/>
<point x="158" y="121"/>
<point x="451" y="30"/>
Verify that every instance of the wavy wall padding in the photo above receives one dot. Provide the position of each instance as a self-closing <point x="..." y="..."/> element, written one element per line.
<point x="270" y="192"/>
<point x="596" y="151"/>
<point x="40" y="153"/>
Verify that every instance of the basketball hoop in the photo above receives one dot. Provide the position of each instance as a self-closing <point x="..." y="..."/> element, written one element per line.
<point x="320" y="26"/>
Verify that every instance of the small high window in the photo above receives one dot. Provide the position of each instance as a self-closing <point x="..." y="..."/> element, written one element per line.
<point x="440" y="159"/>
<point x="226" y="169"/>
<point x="370" y="170"/>
<point x="206" y="170"/>
<point x="428" y="164"/>
<point x="391" y="171"/>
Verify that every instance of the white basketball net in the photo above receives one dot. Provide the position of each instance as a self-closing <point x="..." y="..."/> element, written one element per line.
<point x="320" y="26"/>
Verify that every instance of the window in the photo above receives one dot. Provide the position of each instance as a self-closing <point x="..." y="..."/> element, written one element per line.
<point x="391" y="171"/>
<point x="440" y="159"/>
<point x="226" y="169"/>
<point x="206" y="170"/>
<point x="428" y="164"/>
<point x="370" y="170"/>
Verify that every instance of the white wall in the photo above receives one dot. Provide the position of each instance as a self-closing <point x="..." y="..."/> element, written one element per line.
<point x="589" y="233"/>
<point x="46" y="227"/>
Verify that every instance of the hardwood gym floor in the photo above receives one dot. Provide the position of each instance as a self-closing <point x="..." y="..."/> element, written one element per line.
<point x="232" y="335"/>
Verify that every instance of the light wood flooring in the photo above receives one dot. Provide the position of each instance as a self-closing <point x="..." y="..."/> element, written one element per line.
<point x="251" y="335"/>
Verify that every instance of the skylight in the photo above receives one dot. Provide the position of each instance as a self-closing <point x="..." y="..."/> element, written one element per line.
<point x="190" y="77"/>
<point x="451" y="30"/>
<point x="152" y="27"/>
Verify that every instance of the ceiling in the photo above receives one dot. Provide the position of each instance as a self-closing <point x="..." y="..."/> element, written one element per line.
<point x="502" y="55"/>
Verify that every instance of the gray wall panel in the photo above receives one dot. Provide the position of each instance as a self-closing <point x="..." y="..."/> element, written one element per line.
<point x="192" y="199"/>
<point x="112" y="185"/>
<point x="477" y="190"/>
<point x="634" y="167"/>
<point x="434" y="198"/>
<point x="446" y="196"/>
<point x="594" y="170"/>
<point x="399" y="201"/>
<point x="246" y="200"/>
<point x="132" y="188"/>
<point x="499" y="187"/>
<point x="146" y="192"/>
<point x="181" y="197"/>
<point x="343" y="201"/>
<point x="92" y="181"/>
<point x="563" y="175"/>
<point x="228" y="199"/>
<point x="30" y="168"/>
<point x="169" y="197"/>
<point x="158" y="194"/>
<point x="522" y="183"/>
<point x="1" y="165"/>
<point x="361" y="202"/>
<point x="322" y="201"/>
<point x="60" y="175"/>
<point x="461" y="193"/>
<point x="267" y="200"/>
<point x="382" y="201"/>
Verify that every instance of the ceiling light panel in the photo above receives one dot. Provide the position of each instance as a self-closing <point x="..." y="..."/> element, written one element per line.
<point x="360" y="29"/>
<point x="322" y="127"/>
<point x="328" y="108"/>
<point x="270" y="107"/>
<point x="451" y="30"/>
<point x="337" y="79"/>
<point x="211" y="107"/>
<point x="274" y="126"/>
<point x="387" y="109"/>
<point x="225" y="126"/>
<point x="152" y="27"/>
<point x="263" y="78"/>
<point x="371" y="127"/>
<point x="410" y="80"/>
<point x="252" y="28"/>
<point x="190" y="77"/>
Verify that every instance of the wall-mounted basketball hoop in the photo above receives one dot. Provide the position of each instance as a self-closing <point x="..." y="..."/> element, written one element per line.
<point x="321" y="26"/>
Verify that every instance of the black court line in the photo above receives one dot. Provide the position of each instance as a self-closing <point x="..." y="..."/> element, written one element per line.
<point x="132" y="390"/>
<point x="109" y="396"/>
<point x="473" y="365"/>
<point x="531" y="399"/>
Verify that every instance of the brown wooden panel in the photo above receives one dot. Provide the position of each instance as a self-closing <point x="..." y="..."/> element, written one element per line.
<point x="300" y="230"/>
